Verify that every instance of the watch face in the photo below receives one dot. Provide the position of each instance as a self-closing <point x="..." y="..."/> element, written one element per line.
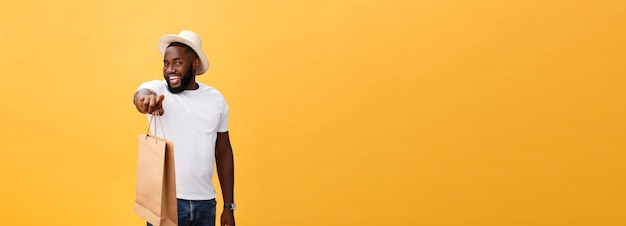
<point x="231" y="206"/>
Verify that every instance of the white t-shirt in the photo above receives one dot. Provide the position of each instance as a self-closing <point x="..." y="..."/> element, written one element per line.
<point x="191" y="120"/>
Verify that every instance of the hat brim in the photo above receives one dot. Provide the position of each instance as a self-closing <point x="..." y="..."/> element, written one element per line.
<point x="166" y="40"/>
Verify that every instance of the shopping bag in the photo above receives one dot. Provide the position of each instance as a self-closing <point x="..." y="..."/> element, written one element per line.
<point x="155" y="197"/>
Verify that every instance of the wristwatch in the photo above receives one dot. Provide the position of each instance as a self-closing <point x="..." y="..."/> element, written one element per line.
<point x="230" y="206"/>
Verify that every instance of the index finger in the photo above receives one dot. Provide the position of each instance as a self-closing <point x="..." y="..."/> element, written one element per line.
<point x="160" y="98"/>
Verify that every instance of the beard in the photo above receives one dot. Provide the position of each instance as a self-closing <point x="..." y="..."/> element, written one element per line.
<point x="185" y="80"/>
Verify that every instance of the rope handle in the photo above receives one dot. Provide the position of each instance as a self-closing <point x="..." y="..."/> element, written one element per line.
<point x="153" y="115"/>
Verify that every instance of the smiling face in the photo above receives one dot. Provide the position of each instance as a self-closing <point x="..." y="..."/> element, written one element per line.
<point x="179" y="67"/>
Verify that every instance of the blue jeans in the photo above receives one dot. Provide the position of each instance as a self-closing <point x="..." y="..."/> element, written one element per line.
<point x="196" y="212"/>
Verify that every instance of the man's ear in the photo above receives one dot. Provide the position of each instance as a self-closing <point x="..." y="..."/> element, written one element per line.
<point x="196" y="64"/>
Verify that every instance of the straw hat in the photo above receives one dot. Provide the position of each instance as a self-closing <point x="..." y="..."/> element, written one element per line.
<point x="190" y="39"/>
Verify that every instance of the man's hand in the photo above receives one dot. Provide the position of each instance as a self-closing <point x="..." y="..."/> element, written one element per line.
<point x="150" y="104"/>
<point x="228" y="218"/>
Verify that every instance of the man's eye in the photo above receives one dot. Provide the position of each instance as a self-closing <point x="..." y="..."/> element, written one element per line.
<point x="179" y="63"/>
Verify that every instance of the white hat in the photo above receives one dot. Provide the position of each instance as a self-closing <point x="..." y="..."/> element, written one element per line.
<point x="190" y="39"/>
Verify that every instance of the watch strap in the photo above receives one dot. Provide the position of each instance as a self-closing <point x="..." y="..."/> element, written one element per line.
<point x="230" y="206"/>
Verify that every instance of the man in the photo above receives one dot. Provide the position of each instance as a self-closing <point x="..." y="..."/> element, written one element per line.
<point x="195" y="118"/>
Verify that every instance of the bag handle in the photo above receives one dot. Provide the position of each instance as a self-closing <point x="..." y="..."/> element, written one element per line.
<point x="155" y="114"/>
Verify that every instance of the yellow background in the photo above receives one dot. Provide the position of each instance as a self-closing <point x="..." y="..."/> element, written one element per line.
<point x="350" y="112"/>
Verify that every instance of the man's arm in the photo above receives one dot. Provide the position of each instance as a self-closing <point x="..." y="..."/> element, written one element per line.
<point x="226" y="174"/>
<point x="146" y="101"/>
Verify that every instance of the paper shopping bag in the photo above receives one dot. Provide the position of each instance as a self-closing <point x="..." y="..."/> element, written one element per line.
<point x="155" y="198"/>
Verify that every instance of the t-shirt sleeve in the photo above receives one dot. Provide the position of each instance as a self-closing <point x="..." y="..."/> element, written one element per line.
<point x="154" y="85"/>
<point x="223" y="125"/>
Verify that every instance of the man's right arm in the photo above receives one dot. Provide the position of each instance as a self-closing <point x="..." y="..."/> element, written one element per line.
<point x="147" y="101"/>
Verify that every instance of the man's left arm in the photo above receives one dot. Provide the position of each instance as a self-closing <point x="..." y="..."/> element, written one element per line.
<point x="226" y="175"/>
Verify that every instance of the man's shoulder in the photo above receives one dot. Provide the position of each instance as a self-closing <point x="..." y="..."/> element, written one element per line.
<point x="210" y="89"/>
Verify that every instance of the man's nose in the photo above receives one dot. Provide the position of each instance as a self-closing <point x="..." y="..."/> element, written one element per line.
<point x="169" y="68"/>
